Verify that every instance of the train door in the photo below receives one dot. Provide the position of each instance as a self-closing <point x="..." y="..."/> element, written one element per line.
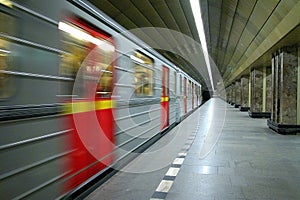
<point x="165" y="98"/>
<point x="90" y="111"/>
<point x="184" y="95"/>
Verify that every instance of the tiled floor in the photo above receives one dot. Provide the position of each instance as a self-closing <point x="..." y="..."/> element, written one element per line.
<point x="232" y="157"/>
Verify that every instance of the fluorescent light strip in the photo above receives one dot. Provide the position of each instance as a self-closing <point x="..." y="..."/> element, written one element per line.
<point x="4" y="51"/>
<point x="199" y="24"/>
<point x="6" y="3"/>
<point x="136" y="59"/>
<point x="79" y="34"/>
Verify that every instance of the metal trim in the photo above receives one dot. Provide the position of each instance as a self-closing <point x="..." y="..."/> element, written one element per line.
<point x="36" y="75"/>
<point x="123" y="69"/>
<point x="135" y="137"/>
<point x="137" y="114"/>
<point x="42" y="186"/>
<point x="30" y="43"/>
<point x="36" y="14"/>
<point x="33" y="165"/>
<point x="124" y="85"/>
<point x="23" y="142"/>
<point x="132" y="127"/>
<point x="139" y="102"/>
<point x="28" y="112"/>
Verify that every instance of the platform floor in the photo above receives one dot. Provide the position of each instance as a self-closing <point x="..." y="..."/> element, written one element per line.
<point x="218" y="152"/>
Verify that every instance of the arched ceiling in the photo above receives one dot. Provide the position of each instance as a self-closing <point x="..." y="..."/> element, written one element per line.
<point x="239" y="33"/>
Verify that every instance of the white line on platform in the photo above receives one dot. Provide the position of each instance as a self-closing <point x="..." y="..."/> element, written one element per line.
<point x="182" y="154"/>
<point x="178" y="161"/>
<point x="164" y="186"/>
<point x="172" y="171"/>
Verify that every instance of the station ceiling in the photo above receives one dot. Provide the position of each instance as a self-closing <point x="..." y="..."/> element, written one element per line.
<point x="240" y="34"/>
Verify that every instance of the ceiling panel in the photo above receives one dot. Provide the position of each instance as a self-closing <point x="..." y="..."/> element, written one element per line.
<point x="243" y="13"/>
<point x="149" y="12"/>
<point x="234" y="30"/>
<point x="228" y="13"/>
<point x="215" y="9"/>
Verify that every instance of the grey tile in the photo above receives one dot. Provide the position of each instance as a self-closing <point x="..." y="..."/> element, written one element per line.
<point x="226" y="171"/>
<point x="238" y="181"/>
<point x="266" y="192"/>
<point x="199" y="169"/>
<point x="187" y="196"/>
<point x="223" y="192"/>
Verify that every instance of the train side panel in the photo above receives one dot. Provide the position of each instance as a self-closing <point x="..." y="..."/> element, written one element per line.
<point x="137" y="112"/>
<point x="32" y="149"/>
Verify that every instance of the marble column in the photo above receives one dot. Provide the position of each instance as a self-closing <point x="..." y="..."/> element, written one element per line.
<point x="258" y="93"/>
<point x="298" y="89"/>
<point x="285" y="92"/>
<point x="233" y="93"/>
<point x="268" y="83"/>
<point x="223" y="94"/>
<point x="237" y="94"/>
<point x="250" y="92"/>
<point x="228" y="94"/>
<point x="244" y="94"/>
<point x="267" y="90"/>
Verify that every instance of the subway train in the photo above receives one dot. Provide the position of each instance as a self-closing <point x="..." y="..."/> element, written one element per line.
<point x="78" y="95"/>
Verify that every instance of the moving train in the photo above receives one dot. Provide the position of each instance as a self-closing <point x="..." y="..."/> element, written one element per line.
<point x="78" y="96"/>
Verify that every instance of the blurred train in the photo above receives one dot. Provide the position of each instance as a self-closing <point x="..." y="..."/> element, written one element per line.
<point x="78" y="96"/>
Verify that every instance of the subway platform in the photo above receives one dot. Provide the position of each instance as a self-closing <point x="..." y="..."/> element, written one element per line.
<point x="217" y="152"/>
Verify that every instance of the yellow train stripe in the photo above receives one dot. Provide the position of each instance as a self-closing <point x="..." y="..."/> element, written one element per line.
<point x="105" y="104"/>
<point x="79" y="107"/>
<point x="164" y="99"/>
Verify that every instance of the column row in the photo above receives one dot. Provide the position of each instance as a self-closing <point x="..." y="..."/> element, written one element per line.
<point x="271" y="91"/>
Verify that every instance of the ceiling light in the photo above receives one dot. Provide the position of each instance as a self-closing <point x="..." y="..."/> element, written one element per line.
<point x="199" y="24"/>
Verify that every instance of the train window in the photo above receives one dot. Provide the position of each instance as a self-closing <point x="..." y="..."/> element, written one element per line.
<point x="190" y="88"/>
<point x="6" y="87"/>
<point x="184" y="86"/>
<point x="7" y="26"/>
<point x="175" y="83"/>
<point x="165" y="82"/>
<point x="180" y="84"/>
<point x="89" y="50"/>
<point x="143" y="74"/>
<point x="193" y="89"/>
